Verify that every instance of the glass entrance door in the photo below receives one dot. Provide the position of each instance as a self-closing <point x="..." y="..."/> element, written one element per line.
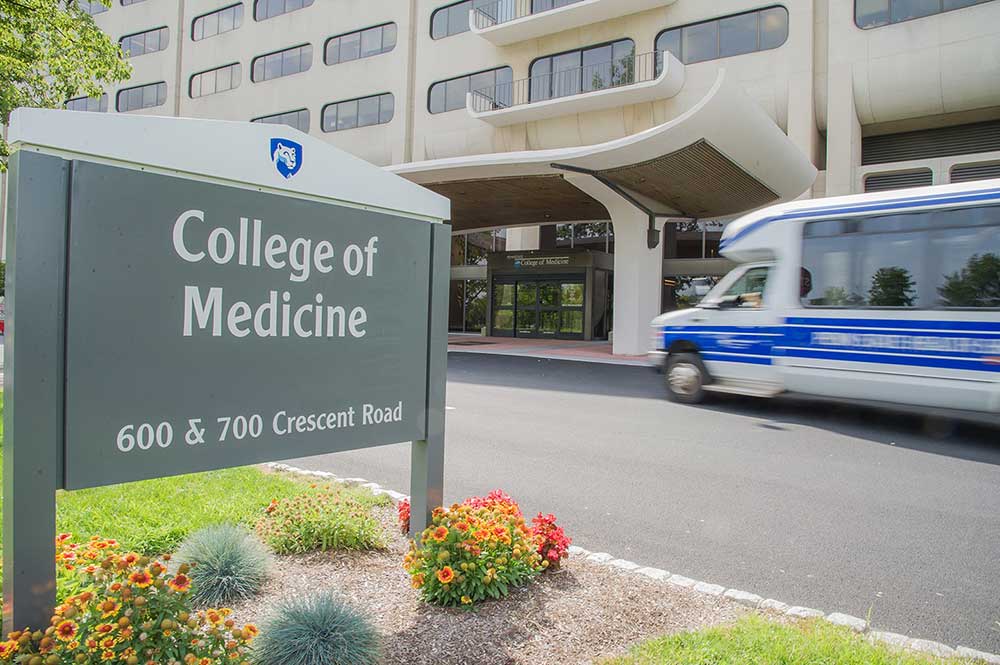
<point x="549" y="308"/>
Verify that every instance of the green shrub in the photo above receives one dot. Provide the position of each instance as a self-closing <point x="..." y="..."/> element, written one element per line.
<point x="316" y="630"/>
<point x="228" y="564"/>
<point x="324" y="519"/>
<point x="474" y="551"/>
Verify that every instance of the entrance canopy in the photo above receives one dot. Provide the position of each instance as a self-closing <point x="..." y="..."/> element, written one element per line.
<point x="723" y="156"/>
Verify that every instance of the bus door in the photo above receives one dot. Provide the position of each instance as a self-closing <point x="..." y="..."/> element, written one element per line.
<point x="739" y="329"/>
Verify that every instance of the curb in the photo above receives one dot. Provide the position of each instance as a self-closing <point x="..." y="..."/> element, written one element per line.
<point x="745" y="598"/>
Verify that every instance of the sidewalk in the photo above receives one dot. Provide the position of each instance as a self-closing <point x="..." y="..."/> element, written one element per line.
<point x="550" y="349"/>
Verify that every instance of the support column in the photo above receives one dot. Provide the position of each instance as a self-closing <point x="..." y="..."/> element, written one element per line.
<point x="638" y="276"/>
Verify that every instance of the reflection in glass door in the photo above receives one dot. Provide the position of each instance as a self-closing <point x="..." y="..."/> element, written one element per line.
<point x="527" y="309"/>
<point x="539" y="308"/>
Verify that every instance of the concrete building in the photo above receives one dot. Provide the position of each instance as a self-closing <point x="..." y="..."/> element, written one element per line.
<point x="592" y="149"/>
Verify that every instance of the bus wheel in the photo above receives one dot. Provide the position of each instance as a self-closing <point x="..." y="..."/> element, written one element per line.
<point x="685" y="376"/>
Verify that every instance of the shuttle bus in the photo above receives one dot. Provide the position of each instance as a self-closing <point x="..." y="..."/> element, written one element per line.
<point x="886" y="297"/>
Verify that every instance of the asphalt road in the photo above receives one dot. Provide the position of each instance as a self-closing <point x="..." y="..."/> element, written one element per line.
<point x="839" y="508"/>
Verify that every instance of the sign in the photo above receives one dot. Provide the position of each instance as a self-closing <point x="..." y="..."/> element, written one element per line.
<point x="228" y="325"/>
<point x="162" y="323"/>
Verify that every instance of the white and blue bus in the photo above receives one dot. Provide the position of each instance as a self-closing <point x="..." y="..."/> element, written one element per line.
<point x="891" y="297"/>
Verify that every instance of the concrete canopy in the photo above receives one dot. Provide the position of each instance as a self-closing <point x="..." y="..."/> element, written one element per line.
<point x="723" y="156"/>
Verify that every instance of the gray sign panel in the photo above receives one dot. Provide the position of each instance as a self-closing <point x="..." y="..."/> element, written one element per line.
<point x="210" y="326"/>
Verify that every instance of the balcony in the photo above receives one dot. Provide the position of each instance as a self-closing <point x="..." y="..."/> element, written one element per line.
<point x="630" y="80"/>
<point x="505" y="22"/>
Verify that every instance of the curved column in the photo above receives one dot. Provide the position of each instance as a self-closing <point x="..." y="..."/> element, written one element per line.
<point x="638" y="269"/>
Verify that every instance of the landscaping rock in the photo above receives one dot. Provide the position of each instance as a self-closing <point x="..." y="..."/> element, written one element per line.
<point x="577" y="551"/>
<point x="681" y="581"/>
<point x="854" y="623"/>
<point x="600" y="557"/>
<point x="743" y="597"/>
<point x="623" y="564"/>
<point x="774" y="605"/>
<point x="709" y="589"/>
<point x="892" y="639"/>
<point x="653" y="573"/>
<point x="803" y="612"/>
<point x="973" y="654"/>
<point x="933" y="648"/>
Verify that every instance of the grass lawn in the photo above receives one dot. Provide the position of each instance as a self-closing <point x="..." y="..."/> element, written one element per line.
<point x="754" y="640"/>
<point x="154" y="516"/>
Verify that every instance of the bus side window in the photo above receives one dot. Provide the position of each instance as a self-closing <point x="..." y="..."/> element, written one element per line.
<point x="749" y="288"/>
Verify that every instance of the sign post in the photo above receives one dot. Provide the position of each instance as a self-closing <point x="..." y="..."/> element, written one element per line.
<point x="163" y="321"/>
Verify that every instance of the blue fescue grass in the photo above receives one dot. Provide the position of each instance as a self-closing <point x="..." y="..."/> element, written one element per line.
<point x="228" y="564"/>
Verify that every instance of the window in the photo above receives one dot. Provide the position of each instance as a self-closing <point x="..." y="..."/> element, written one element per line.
<point x="364" y="112"/>
<point x="141" y="97"/>
<point x="981" y="171"/>
<point x="265" y="9"/>
<point x="450" y="95"/>
<point x="282" y="63"/>
<point x="876" y="13"/>
<point x="93" y="104"/>
<point x="126" y="3"/>
<point x="141" y="43"/>
<point x="298" y="119"/>
<point x="218" y="22"/>
<point x="939" y="258"/>
<point x="215" y="80"/>
<point x="454" y="19"/>
<point x="360" y="44"/>
<point x="585" y="70"/>
<point x="93" y="7"/>
<point x="748" y="290"/>
<point x="725" y="37"/>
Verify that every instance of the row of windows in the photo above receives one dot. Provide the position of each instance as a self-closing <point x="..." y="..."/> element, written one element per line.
<point x="298" y="119"/>
<point x="450" y="94"/>
<point x="215" y="80"/>
<point x="940" y="258"/>
<point x="728" y="36"/>
<point x="141" y="97"/>
<point x="876" y="13"/>
<point x="96" y="6"/>
<point x="582" y="70"/>
<point x="265" y="9"/>
<point x="141" y="43"/>
<point x="360" y="44"/>
<point x="218" y="22"/>
<point x="454" y="19"/>
<point x="338" y="116"/>
<point x="281" y="63"/>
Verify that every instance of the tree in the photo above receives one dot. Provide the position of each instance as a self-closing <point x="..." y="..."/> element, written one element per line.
<point x="891" y="287"/>
<point x="975" y="285"/>
<point x="51" y="51"/>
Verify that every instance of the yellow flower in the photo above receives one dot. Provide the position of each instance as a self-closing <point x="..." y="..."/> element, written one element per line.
<point x="466" y="600"/>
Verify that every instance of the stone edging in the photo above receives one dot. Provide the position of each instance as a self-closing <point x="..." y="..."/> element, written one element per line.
<point x="745" y="598"/>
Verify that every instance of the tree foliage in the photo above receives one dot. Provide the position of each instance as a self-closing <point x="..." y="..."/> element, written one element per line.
<point x="891" y="287"/>
<point x="975" y="285"/>
<point x="51" y="51"/>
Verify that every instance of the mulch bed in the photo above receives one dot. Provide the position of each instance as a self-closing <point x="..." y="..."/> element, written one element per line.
<point x="576" y="614"/>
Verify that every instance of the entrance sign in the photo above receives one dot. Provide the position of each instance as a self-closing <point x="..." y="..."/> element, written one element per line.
<point x="165" y="322"/>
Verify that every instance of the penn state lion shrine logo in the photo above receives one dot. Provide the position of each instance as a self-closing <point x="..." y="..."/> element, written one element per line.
<point x="286" y="156"/>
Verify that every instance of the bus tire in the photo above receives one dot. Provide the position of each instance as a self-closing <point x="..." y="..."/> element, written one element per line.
<point x="685" y="377"/>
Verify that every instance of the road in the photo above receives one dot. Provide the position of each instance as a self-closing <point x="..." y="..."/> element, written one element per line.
<point x="839" y="508"/>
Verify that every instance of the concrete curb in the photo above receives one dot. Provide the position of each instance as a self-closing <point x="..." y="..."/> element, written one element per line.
<point x="744" y="598"/>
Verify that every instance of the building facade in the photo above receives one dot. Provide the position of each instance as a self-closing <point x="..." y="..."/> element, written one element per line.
<point x="628" y="129"/>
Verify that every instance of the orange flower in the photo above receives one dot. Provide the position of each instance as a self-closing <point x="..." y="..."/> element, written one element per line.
<point x="181" y="583"/>
<point x="104" y="628"/>
<point x="250" y="631"/>
<point x="417" y="581"/>
<point x="140" y="578"/>
<point x="130" y="558"/>
<point x="66" y="630"/>
<point x="445" y="575"/>
<point x="440" y="534"/>
<point x="8" y="648"/>
<point x="462" y="526"/>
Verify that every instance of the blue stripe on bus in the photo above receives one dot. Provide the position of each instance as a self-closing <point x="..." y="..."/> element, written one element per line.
<point x="893" y="359"/>
<point x="751" y="360"/>
<point x="893" y="204"/>
<point x="932" y="326"/>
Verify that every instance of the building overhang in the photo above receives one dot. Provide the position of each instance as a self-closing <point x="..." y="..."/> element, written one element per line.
<point x="721" y="157"/>
<point x="664" y="85"/>
<point x="505" y="23"/>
